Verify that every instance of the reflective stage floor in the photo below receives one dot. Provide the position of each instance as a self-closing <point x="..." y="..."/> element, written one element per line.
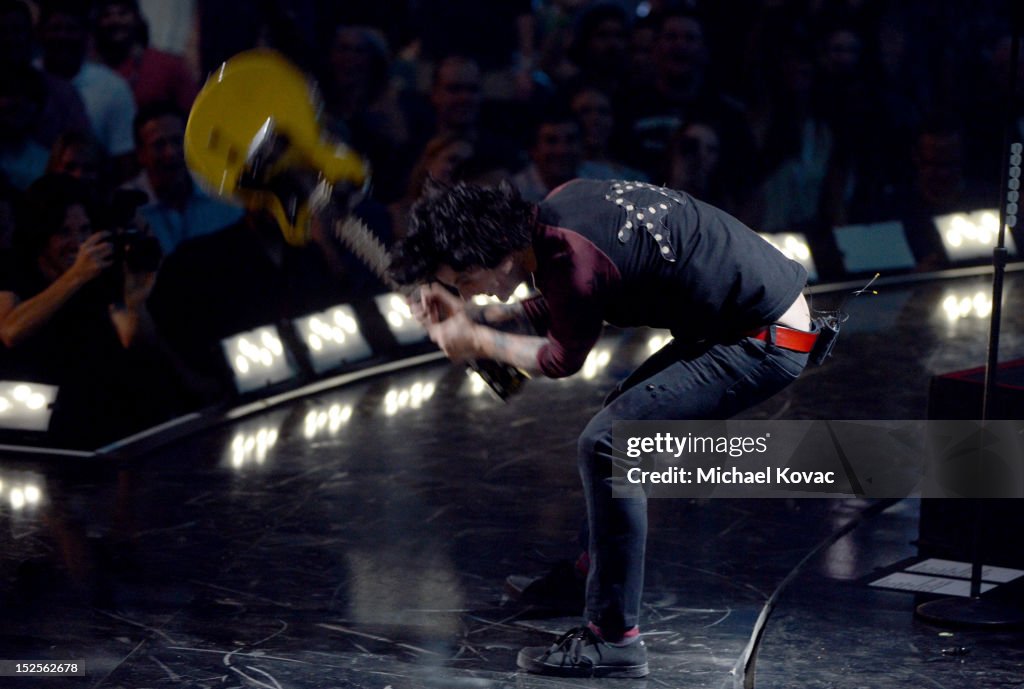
<point x="360" y="538"/>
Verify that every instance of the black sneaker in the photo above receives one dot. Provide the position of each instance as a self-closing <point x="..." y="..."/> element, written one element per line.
<point x="581" y="653"/>
<point x="562" y="591"/>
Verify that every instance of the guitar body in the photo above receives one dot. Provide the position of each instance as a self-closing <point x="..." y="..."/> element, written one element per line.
<point x="230" y="113"/>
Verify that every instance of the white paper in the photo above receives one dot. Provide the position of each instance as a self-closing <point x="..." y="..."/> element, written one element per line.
<point x="919" y="583"/>
<point x="962" y="570"/>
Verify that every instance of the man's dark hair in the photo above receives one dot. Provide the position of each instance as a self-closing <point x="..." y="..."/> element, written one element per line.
<point x="462" y="226"/>
<point x="153" y="111"/>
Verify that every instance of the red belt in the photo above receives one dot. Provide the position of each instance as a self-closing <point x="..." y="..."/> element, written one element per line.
<point x="787" y="338"/>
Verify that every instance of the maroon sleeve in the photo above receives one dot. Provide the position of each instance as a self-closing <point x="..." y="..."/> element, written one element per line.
<point x="574" y="284"/>
<point x="536" y="309"/>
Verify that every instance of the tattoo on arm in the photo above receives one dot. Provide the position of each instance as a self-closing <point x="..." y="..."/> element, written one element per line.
<point x="510" y="318"/>
<point x="517" y="350"/>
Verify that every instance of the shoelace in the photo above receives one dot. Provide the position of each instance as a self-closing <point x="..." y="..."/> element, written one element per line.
<point x="573" y="642"/>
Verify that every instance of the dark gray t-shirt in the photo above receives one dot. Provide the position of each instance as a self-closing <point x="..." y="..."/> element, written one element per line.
<point x="634" y="254"/>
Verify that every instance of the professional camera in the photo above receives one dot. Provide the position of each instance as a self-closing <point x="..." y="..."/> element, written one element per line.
<point x="134" y="250"/>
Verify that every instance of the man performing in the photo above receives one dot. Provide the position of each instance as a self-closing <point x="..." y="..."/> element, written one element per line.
<point x="631" y="254"/>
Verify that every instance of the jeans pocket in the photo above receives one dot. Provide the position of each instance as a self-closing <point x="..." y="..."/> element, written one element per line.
<point x="773" y="369"/>
<point x="786" y="361"/>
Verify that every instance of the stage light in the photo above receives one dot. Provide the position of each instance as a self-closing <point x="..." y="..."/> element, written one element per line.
<point x="396" y="312"/>
<point x="26" y="406"/>
<point x="477" y="385"/>
<point x="252" y="445"/>
<point x="794" y="247"/>
<point x="329" y="418"/>
<point x="971" y="236"/>
<point x="332" y="338"/>
<point x="956" y="306"/>
<point x="521" y="292"/>
<point x="656" y="342"/>
<point x="411" y="397"/>
<point x="596" y="362"/>
<point x="258" y="358"/>
<point x="876" y="247"/>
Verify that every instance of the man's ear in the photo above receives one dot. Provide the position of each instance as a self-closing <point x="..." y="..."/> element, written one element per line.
<point x="507" y="264"/>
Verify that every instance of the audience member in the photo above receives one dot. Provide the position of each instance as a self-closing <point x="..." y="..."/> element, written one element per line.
<point x="599" y="47"/>
<point x="682" y="91"/>
<point x="77" y="154"/>
<point x="939" y="187"/>
<point x="864" y="147"/>
<point x="593" y="109"/>
<point x="556" y="155"/>
<point x="22" y="158"/>
<point x="122" y="43"/>
<point x="73" y="314"/>
<point x="456" y="101"/>
<point x="62" y="109"/>
<point x="796" y="145"/>
<point x="362" y="107"/>
<point x="178" y="208"/>
<point x="173" y="27"/>
<point x="499" y="35"/>
<point x="444" y="160"/>
<point x="63" y="31"/>
<point x="556" y="22"/>
<point x="641" y="56"/>
<point x="694" y="164"/>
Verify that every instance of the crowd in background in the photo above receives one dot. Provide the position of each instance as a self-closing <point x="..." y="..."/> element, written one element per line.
<point x="793" y="115"/>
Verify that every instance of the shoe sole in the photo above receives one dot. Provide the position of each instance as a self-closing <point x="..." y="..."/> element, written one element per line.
<point x="530" y="664"/>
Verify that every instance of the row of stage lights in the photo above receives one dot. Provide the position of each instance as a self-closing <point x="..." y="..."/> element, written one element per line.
<point x="332" y="338"/>
<point x="966" y="237"/>
<point x="958" y="307"/>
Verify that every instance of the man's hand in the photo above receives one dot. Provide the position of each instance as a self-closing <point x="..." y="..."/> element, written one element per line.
<point x="457" y="336"/>
<point x="95" y="255"/>
<point x="432" y="303"/>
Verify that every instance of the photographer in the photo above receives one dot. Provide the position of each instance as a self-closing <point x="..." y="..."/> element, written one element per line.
<point x="72" y="314"/>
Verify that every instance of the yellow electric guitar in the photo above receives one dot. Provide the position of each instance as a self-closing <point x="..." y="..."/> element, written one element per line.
<point x="254" y="135"/>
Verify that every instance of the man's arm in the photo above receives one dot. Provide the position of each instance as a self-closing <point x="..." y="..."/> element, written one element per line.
<point x="509" y="318"/>
<point x="518" y="350"/>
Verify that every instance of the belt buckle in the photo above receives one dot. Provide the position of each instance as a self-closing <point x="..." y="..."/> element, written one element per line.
<point x="771" y="333"/>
